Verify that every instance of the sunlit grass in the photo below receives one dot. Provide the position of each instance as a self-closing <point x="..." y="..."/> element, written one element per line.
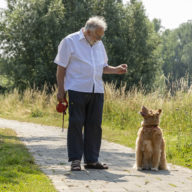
<point x="18" y="171"/>
<point x="121" y="119"/>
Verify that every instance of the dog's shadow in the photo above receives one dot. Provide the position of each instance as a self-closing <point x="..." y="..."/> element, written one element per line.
<point x="160" y="172"/>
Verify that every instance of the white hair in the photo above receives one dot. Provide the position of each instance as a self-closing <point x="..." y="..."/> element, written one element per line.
<point x="95" y="22"/>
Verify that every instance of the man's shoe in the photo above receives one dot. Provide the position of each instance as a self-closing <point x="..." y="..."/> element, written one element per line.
<point x="76" y="165"/>
<point x="97" y="165"/>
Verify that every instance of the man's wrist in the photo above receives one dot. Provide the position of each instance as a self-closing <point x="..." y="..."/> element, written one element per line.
<point x="65" y="94"/>
<point x="62" y="93"/>
<point x="116" y="70"/>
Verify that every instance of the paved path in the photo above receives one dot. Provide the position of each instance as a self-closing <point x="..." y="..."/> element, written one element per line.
<point x="48" y="146"/>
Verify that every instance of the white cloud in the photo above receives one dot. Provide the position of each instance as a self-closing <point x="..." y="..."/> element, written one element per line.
<point x="171" y="12"/>
<point x="3" y="4"/>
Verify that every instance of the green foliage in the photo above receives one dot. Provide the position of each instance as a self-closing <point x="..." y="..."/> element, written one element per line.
<point x="133" y="41"/>
<point x="36" y="113"/>
<point x="176" y="53"/>
<point x="31" y="31"/>
<point x="157" y="24"/>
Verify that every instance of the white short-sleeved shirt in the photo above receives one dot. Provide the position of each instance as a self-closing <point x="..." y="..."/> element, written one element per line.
<point x="84" y="63"/>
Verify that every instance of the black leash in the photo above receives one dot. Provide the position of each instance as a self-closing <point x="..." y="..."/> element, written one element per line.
<point x="63" y="122"/>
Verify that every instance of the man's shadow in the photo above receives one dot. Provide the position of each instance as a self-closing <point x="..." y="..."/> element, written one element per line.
<point x="94" y="175"/>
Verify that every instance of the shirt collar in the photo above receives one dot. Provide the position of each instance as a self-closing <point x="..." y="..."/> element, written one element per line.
<point x="81" y="35"/>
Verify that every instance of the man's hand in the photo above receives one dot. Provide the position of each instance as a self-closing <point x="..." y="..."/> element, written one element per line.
<point x="61" y="96"/>
<point x="121" y="69"/>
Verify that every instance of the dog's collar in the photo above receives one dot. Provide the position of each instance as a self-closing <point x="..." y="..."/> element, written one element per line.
<point x="150" y="126"/>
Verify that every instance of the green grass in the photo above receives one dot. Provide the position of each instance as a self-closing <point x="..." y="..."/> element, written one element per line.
<point x="18" y="171"/>
<point x="121" y="119"/>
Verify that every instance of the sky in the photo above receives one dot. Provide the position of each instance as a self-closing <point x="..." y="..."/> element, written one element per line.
<point x="2" y="4"/>
<point x="171" y="12"/>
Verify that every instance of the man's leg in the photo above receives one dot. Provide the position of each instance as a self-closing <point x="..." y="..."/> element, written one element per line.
<point x="92" y="128"/>
<point x="76" y="121"/>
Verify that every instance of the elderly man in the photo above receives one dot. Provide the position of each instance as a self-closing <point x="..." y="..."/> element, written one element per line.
<point x="81" y="60"/>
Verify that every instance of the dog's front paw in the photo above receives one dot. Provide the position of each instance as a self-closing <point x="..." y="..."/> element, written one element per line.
<point x="139" y="169"/>
<point x="154" y="169"/>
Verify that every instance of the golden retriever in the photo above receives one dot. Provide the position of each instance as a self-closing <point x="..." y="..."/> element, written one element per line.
<point x="150" y="144"/>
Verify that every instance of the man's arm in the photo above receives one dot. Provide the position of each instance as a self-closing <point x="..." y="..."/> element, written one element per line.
<point x="61" y="71"/>
<point x="120" y="69"/>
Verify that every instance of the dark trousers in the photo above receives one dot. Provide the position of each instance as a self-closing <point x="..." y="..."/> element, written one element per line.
<point x="85" y="111"/>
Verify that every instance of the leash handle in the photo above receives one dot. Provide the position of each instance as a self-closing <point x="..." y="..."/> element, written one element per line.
<point x="61" y="108"/>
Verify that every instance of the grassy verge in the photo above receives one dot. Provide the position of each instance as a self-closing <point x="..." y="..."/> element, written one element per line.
<point x="121" y="119"/>
<point x="18" y="171"/>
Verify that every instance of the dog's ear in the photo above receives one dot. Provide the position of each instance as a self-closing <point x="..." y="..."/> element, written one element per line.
<point x="144" y="111"/>
<point x="159" y="111"/>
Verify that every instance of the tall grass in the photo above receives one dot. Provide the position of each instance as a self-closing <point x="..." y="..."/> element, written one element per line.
<point x="33" y="105"/>
<point x="121" y="119"/>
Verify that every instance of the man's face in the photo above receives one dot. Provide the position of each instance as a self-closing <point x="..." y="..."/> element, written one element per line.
<point x="96" y="35"/>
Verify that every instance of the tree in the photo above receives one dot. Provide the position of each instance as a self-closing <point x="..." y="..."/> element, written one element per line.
<point x="138" y="47"/>
<point x="176" y="52"/>
<point x="157" y="24"/>
<point x="30" y="33"/>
